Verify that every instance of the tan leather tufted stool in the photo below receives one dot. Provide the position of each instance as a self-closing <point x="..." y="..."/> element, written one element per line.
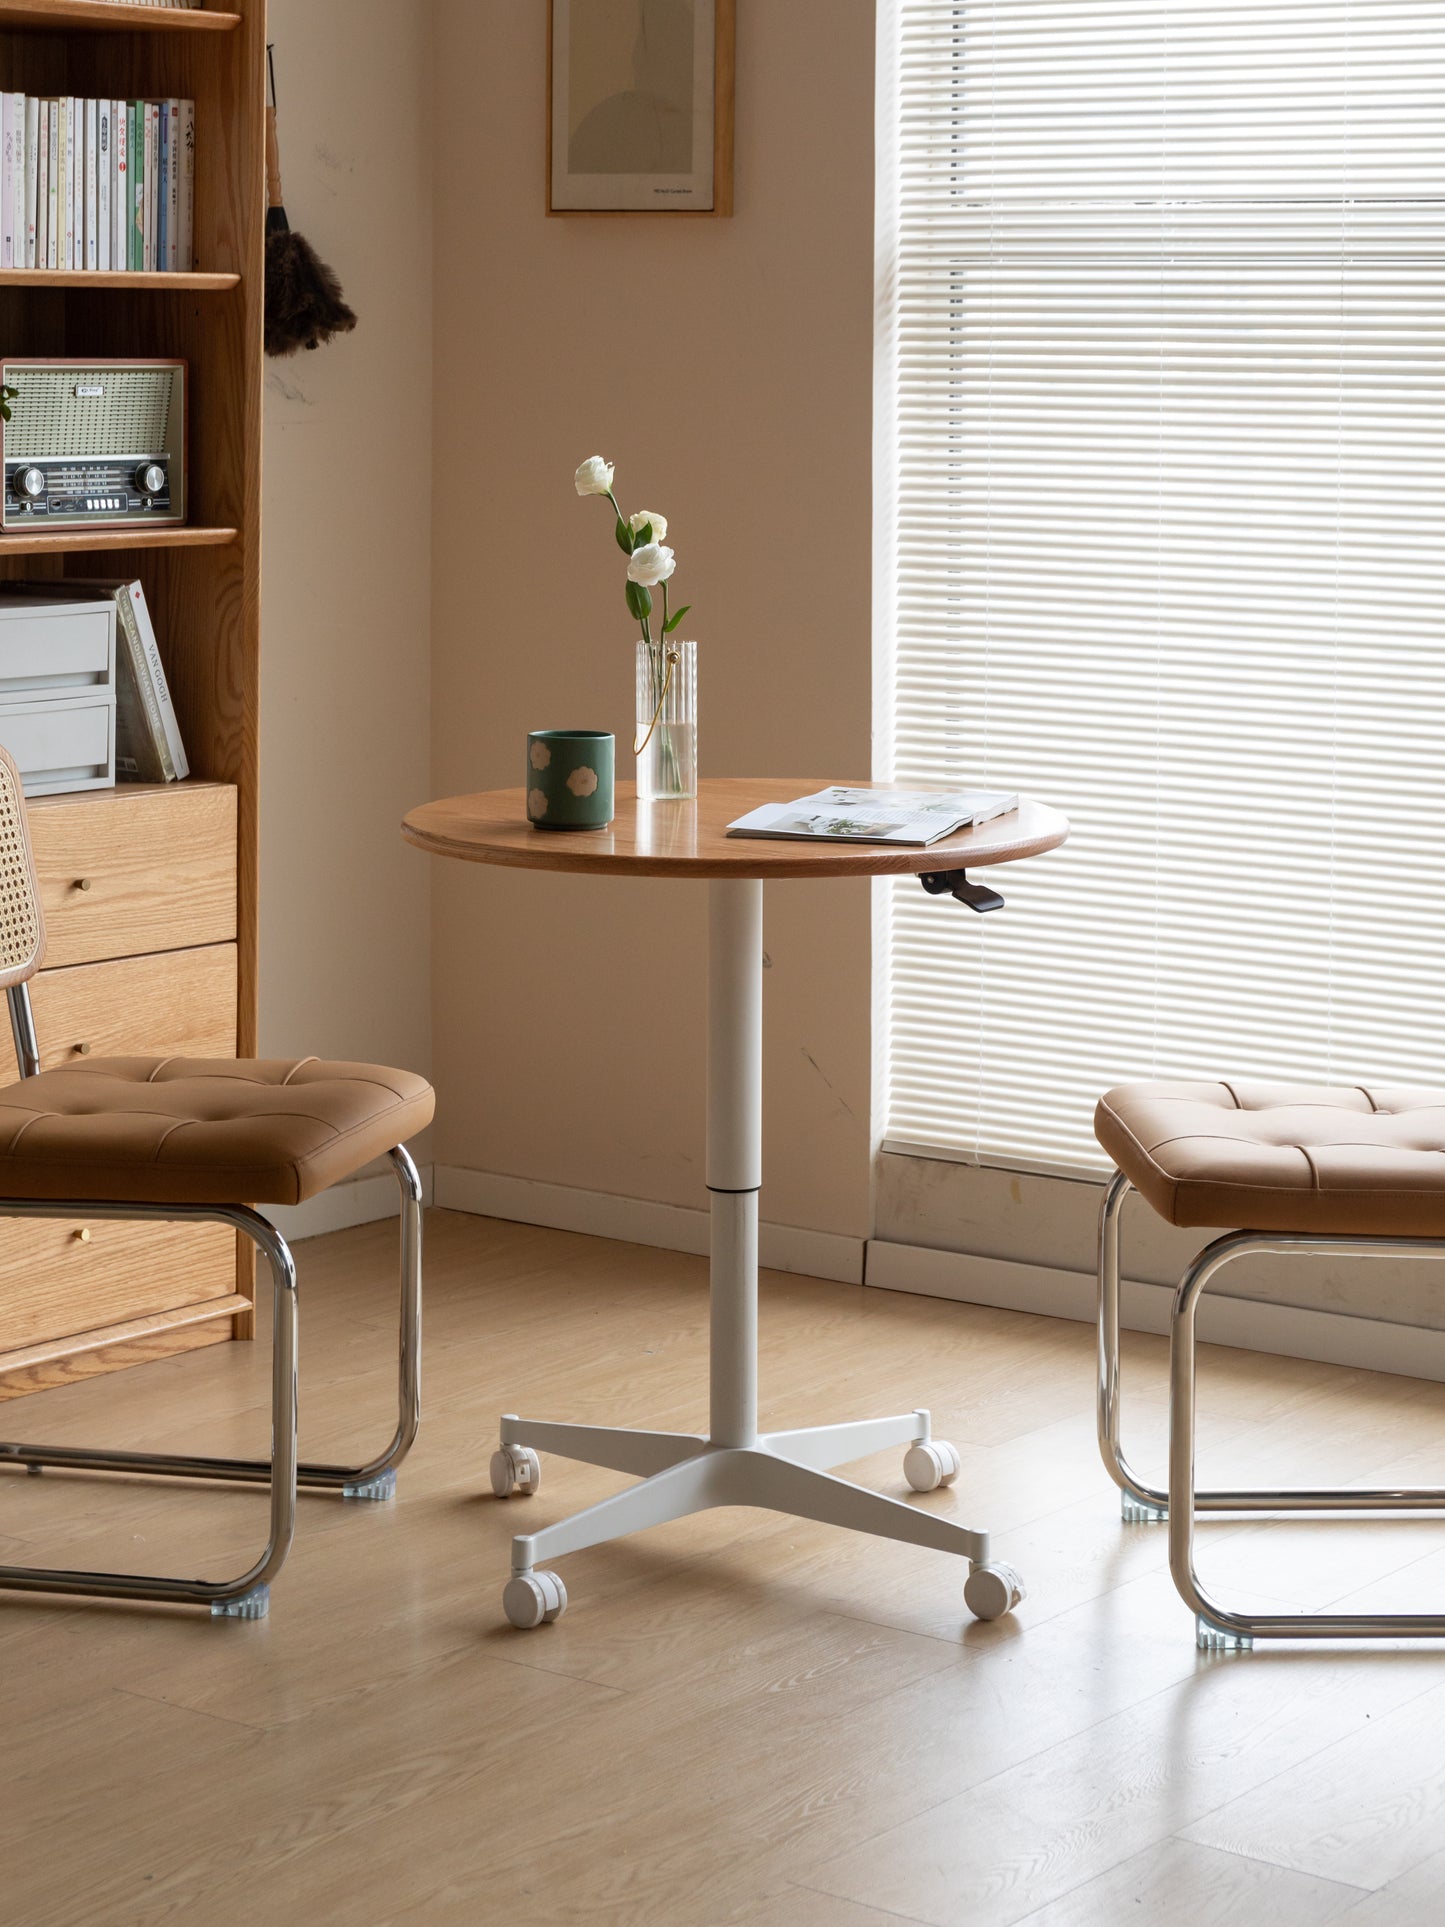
<point x="1302" y="1169"/>
<point x="198" y="1142"/>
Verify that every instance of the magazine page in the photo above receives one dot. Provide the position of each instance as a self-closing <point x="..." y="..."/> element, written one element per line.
<point x="844" y="814"/>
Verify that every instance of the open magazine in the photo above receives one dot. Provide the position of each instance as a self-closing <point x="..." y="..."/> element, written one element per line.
<point x="843" y="815"/>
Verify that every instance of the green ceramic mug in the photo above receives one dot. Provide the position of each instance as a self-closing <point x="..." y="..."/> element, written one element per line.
<point x="569" y="779"/>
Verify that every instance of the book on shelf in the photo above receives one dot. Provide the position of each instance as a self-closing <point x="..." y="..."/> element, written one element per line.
<point x="50" y="163"/>
<point x="120" y="184"/>
<point x="97" y="186"/>
<point x="7" y="180"/>
<point x="842" y="814"/>
<point x="148" y="746"/>
<point x="104" y="170"/>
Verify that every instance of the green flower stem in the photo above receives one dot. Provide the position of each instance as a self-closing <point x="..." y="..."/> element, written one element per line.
<point x="657" y="672"/>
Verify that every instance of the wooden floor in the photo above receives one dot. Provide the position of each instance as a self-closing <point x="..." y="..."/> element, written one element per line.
<point x="741" y="1719"/>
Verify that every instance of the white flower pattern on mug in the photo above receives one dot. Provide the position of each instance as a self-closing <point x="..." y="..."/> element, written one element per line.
<point x="583" y="782"/>
<point x="541" y="756"/>
<point x="536" y="803"/>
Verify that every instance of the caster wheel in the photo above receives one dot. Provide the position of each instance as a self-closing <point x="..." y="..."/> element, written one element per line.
<point x="991" y="1591"/>
<point x="515" y="1468"/>
<point x="532" y="1598"/>
<point x="926" y="1467"/>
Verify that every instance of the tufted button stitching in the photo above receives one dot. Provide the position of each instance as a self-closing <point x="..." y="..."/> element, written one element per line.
<point x="178" y="1130"/>
<point x="1221" y="1155"/>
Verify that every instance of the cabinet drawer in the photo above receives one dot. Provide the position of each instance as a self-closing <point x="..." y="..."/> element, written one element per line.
<point x="49" y="649"/>
<point x="64" y="745"/>
<point x="55" y="1283"/>
<point x="131" y="871"/>
<point x="181" y="1003"/>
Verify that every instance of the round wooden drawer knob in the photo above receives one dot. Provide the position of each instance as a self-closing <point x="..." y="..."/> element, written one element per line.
<point x="82" y="883"/>
<point x="82" y="1050"/>
<point x="82" y="1236"/>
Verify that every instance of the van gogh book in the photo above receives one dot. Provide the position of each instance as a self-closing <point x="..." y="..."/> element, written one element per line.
<point x="843" y="815"/>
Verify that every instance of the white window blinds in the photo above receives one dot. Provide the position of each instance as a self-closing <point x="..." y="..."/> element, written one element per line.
<point x="1170" y="412"/>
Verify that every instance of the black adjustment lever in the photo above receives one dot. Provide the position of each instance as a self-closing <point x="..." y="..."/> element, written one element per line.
<point x="955" y="883"/>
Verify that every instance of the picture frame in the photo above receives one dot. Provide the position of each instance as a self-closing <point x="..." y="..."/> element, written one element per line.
<point x="640" y="97"/>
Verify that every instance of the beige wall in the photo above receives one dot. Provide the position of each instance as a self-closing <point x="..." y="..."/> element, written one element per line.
<point x="727" y="368"/>
<point x="345" y="935"/>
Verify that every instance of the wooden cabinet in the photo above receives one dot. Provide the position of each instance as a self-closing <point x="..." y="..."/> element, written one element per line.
<point x="150" y="892"/>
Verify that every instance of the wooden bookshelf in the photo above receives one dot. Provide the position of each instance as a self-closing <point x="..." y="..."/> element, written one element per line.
<point x="109" y="1301"/>
<point x="112" y="16"/>
<point x="119" y="278"/>
<point x="99" y="541"/>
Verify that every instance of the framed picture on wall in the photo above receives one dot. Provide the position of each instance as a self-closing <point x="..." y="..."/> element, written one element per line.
<point x="640" y="107"/>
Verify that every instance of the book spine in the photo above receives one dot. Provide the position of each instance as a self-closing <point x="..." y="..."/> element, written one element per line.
<point x="67" y="182"/>
<point x="22" y="209"/>
<point x="104" y="173"/>
<point x="77" y="183"/>
<point x="173" y="179"/>
<point x="92" y="185"/>
<point x="7" y="181"/>
<point x="153" y="168"/>
<point x="188" y="186"/>
<point x="32" y="178"/>
<point x="119" y="186"/>
<point x="52" y="183"/>
<point x="138" y="718"/>
<point x="158" y="686"/>
<point x="163" y="186"/>
<point x="138" y="183"/>
<point x="21" y="214"/>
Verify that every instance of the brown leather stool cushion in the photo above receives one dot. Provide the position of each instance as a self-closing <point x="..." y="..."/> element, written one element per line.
<point x="1283" y="1157"/>
<point x="176" y="1130"/>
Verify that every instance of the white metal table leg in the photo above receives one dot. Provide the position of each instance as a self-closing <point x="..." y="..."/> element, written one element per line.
<point x="824" y="1446"/>
<point x="734" y="1151"/>
<point x="784" y="1471"/>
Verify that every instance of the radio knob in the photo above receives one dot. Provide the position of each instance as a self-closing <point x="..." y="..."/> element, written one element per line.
<point x="30" y="483"/>
<point x="150" y="478"/>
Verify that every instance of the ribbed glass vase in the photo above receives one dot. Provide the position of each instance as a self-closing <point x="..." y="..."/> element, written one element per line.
<point x="666" y="740"/>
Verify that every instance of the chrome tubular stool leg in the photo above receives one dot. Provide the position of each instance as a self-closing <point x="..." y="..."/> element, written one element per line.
<point x="374" y="1479"/>
<point x="246" y="1597"/>
<point x="1217" y="1627"/>
<point x="351" y="1481"/>
<point x="1142" y="1502"/>
<point x="1138" y="1501"/>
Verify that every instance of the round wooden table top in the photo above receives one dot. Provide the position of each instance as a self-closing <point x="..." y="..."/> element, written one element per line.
<point x="690" y="839"/>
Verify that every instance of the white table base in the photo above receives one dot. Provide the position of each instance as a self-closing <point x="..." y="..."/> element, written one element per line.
<point x="787" y="1472"/>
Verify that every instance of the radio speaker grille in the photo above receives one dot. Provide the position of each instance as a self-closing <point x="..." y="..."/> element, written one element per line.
<point x="131" y="416"/>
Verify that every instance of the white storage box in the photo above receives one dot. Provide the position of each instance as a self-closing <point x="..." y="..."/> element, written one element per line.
<point x="57" y="690"/>
<point x="61" y="745"/>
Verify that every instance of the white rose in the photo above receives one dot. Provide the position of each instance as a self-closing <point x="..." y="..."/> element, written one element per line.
<point x="594" y="477"/>
<point x="659" y="524"/>
<point x="651" y="564"/>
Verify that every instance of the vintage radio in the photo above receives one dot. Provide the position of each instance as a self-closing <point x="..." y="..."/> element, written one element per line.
<point x="94" y="444"/>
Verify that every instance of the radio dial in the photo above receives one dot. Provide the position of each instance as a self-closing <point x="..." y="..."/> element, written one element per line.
<point x="150" y="478"/>
<point x="30" y="483"/>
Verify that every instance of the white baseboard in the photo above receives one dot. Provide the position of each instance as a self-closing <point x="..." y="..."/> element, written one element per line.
<point x="638" y="1221"/>
<point x="1335" y="1338"/>
<point x="362" y="1201"/>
